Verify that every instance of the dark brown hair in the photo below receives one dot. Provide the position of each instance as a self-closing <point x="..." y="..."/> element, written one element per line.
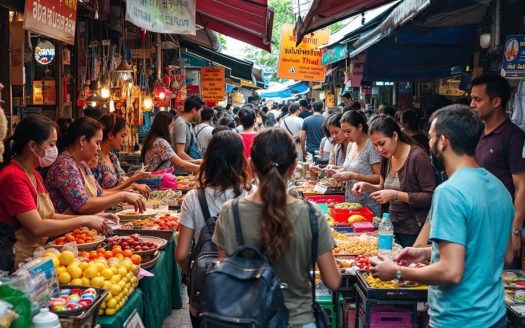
<point x="84" y="126"/>
<point x="112" y="123"/>
<point x="159" y="129"/>
<point x="273" y="154"/>
<point x="222" y="166"/>
<point x="386" y="125"/>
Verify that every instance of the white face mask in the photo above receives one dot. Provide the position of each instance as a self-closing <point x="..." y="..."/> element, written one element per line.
<point x="50" y="156"/>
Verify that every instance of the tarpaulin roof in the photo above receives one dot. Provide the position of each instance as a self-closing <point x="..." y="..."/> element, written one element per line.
<point x="322" y="13"/>
<point x="287" y="92"/>
<point x="239" y="68"/>
<point x="417" y="53"/>
<point x="250" y="21"/>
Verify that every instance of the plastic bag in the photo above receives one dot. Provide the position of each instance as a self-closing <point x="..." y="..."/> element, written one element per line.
<point x="20" y="304"/>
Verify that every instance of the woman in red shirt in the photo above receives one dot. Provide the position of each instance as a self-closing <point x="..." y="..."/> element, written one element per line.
<point x="27" y="215"/>
<point x="248" y="118"/>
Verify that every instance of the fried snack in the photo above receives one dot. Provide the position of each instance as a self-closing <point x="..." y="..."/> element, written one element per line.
<point x="356" y="247"/>
<point x="331" y="182"/>
<point x="380" y="284"/>
<point x="348" y="206"/>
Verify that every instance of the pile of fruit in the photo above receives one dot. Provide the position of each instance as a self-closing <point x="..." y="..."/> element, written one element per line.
<point x="363" y="262"/>
<point x="132" y="243"/>
<point x="72" y="299"/>
<point x="116" y="252"/>
<point x="167" y="222"/>
<point x="164" y="222"/>
<point x="79" y="236"/>
<point x="119" y="277"/>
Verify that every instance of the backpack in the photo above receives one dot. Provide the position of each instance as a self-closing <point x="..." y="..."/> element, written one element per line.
<point x="243" y="290"/>
<point x="203" y="254"/>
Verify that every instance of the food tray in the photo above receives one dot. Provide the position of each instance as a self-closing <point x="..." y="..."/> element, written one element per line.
<point x="341" y="215"/>
<point x="510" y="283"/>
<point x="416" y="294"/>
<point x="82" y="318"/>
<point x="164" y="234"/>
<point x="150" y="263"/>
<point x="328" y="199"/>
<point x="81" y="247"/>
<point x="130" y="215"/>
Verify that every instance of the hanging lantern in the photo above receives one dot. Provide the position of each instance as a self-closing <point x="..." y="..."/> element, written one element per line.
<point x="147" y="103"/>
<point x="92" y="100"/>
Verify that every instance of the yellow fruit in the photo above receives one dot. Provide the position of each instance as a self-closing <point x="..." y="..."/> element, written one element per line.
<point x="101" y="311"/>
<point x="133" y="280"/>
<point x="108" y="297"/>
<point x="122" y="271"/>
<point x="114" y="270"/>
<point x="66" y="257"/>
<point x="64" y="278"/>
<point x="107" y="285"/>
<point x="85" y="281"/>
<point x="97" y="282"/>
<point x="111" y="303"/>
<point x="76" y="281"/>
<point x="122" y="284"/>
<point x="110" y="311"/>
<point x="115" y="289"/>
<point x="74" y="270"/>
<point x="83" y="265"/>
<point x="116" y="278"/>
<point x="91" y="271"/>
<point x="128" y="265"/>
<point x="125" y="290"/>
<point x="356" y="218"/>
<point x="100" y="267"/>
<point x="118" y="297"/>
<point x="107" y="274"/>
<point x="61" y="269"/>
<point x="113" y="265"/>
<point x="56" y="262"/>
<point x="103" y="305"/>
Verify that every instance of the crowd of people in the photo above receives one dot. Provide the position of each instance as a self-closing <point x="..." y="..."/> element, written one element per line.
<point x="387" y="159"/>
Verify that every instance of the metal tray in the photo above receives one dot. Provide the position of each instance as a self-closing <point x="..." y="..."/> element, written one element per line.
<point x="509" y="283"/>
<point x="415" y="294"/>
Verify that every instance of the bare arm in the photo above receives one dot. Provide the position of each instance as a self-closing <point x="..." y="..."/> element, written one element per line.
<point x="519" y="209"/>
<point x="302" y="136"/>
<point x="330" y="274"/>
<point x="182" y="252"/>
<point x="98" y="204"/>
<point x="184" y="165"/>
<point x="422" y="238"/>
<point x="39" y="227"/>
<point x="180" y="150"/>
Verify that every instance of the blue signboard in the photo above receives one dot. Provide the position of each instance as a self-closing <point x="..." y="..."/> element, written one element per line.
<point x="513" y="65"/>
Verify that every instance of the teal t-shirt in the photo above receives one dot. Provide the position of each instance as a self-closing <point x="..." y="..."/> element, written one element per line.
<point x="474" y="209"/>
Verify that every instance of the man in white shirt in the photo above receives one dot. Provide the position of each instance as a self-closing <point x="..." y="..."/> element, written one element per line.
<point x="293" y="124"/>
<point x="204" y="129"/>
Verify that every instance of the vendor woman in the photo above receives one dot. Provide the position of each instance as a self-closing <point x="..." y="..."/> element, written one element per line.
<point x="107" y="170"/>
<point x="27" y="216"/>
<point x="71" y="185"/>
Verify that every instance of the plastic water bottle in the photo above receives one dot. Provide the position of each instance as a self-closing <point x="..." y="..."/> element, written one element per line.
<point x="385" y="236"/>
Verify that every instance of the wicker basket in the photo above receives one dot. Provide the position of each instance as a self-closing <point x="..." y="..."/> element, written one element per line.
<point x="81" y="247"/>
<point x="150" y="262"/>
<point x="164" y="234"/>
<point x="86" y="318"/>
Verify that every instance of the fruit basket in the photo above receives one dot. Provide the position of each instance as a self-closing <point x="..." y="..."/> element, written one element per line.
<point x="84" y="317"/>
<point x="145" y="246"/>
<point x="390" y="290"/>
<point x="150" y="263"/>
<point x="164" y="234"/>
<point x="130" y="215"/>
<point x="81" y="247"/>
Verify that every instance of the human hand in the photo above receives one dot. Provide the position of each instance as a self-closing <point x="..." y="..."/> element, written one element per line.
<point x="343" y="176"/>
<point x="412" y="255"/>
<point x="110" y="217"/>
<point x="516" y="244"/>
<point x="383" y="268"/>
<point x="384" y="196"/>
<point x="97" y="222"/>
<point x="142" y="188"/>
<point x="359" y="188"/>
<point x="136" y="200"/>
<point x="139" y="175"/>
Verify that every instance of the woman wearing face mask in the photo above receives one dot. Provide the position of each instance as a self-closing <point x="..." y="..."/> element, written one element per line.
<point x="71" y="185"/>
<point x="107" y="170"/>
<point x="362" y="162"/>
<point x="27" y="215"/>
<point x="339" y="144"/>
<point x="157" y="152"/>
<point x="406" y="179"/>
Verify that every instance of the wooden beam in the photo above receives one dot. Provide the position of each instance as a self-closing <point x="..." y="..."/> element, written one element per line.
<point x="15" y="5"/>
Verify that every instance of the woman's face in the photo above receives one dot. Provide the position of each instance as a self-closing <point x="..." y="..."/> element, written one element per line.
<point x="351" y="132"/>
<point x="40" y="149"/>
<point x="385" y="145"/>
<point x="337" y="134"/>
<point x="91" y="147"/>
<point x="117" y="140"/>
<point x="171" y="126"/>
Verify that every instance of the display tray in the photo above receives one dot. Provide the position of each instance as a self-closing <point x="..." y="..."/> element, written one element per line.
<point x="130" y="215"/>
<point x="513" y="279"/>
<point x="150" y="263"/>
<point x="164" y="234"/>
<point x="80" y="247"/>
<point x="84" y="317"/>
<point x="401" y="293"/>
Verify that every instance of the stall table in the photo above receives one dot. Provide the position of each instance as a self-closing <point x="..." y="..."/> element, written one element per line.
<point x="134" y="302"/>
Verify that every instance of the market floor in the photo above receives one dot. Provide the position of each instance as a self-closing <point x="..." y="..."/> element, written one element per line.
<point x="179" y="318"/>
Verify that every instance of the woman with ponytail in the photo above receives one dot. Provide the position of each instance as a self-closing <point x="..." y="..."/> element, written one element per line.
<point x="279" y="223"/>
<point x="406" y="179"/>
<point x="27" y="215"/>
<point x="72" y="187"/>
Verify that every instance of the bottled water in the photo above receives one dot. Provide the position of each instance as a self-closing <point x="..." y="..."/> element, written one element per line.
<point x="385" y="236"/>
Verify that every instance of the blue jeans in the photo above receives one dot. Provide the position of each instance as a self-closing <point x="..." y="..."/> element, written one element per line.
<point x="310" y="325"/>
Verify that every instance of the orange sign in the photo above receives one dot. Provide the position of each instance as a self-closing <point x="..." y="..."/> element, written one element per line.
<point x="212" y="83"/>
<point x="304" y="61"/>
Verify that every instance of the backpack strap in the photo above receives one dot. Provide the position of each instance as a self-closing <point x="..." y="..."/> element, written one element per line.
<point x="313" y="257"/>
<point x="204" y="206"/>
<point x="237" y="222"/>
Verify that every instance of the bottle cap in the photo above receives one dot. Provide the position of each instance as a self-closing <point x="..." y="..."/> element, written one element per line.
<point x="386" y="215"/>
<point x="46" y="319"/>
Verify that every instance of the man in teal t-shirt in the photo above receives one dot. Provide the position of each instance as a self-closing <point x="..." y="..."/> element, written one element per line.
<point x="471" y="222"/>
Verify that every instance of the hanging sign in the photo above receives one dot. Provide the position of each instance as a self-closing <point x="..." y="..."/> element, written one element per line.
<point x="303" y="62"/>
<point x="213" y="83"/>
<point x="513" y="65"/>
<point x="173" y="16"/>
<point x="44" y="52"/>
<point x="38" y="93"/>
<point x="52" y="18"/>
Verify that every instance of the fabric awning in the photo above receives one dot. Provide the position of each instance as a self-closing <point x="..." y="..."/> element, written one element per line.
<point x="241" y="69"/>
<point x="322" y="13"/>
<point x="250" y="21"/>
<point x="287" y="92"/>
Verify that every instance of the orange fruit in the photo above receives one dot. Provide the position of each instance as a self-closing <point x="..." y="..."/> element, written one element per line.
<point x="116" y="251"/>
<point x="81" y="241"/>
<point x="108" y="254"/>
<point x="127" y="253"/>
<point x="120" y="256"/>
<point x="136" y="259"/>
<point x="60" y="240"/>
<point x="69" y="238"/>
<point x="100" y="250"/>
<point x="84" y="255"/>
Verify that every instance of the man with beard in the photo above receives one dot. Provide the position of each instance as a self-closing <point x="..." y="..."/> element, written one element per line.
<point x="501" y="149"/>
<point x="470" y="235"/>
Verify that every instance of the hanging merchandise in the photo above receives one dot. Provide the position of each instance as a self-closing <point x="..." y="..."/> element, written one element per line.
<point x="518" y="109"/>
<point x="174" y="17"/>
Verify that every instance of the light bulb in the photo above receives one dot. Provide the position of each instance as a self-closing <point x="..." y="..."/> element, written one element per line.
<point x="104" y="92"/>
<point x="162" y="95"/>
<point x="111" y="106"/>
<point x="148" y="103"/>
<point x="93" y="104"/>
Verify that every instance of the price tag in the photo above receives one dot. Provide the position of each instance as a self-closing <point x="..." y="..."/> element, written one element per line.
<point x="320" y="189"/>
<point x="134" y="321"/>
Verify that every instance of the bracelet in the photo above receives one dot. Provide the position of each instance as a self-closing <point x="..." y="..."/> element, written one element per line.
<point x="397" y="196"/>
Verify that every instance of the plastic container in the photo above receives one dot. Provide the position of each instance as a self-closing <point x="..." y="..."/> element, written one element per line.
<point x="46" y="319"/>
<point x="363" y="226"/>
<point x="341" y="215"/>
<point x="385" y="236"/>
<point x="390" y="318"/>
<point x="330" y="200"/>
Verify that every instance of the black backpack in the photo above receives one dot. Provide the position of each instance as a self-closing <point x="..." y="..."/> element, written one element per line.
<point x="243" y="290"/>
<point x="203" y="254"/>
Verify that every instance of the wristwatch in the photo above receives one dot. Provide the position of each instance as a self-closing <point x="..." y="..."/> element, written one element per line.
<point x="516" y="232"/>
<point x="398" y="275"/>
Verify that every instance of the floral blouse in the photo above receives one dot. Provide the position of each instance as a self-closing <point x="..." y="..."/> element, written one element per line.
<point x="106" y="175"/>
<point x="159" y="155"/>
<point x="65" y="184"/>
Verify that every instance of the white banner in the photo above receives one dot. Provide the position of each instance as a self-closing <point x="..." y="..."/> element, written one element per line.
<point x="163" y="16"/>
